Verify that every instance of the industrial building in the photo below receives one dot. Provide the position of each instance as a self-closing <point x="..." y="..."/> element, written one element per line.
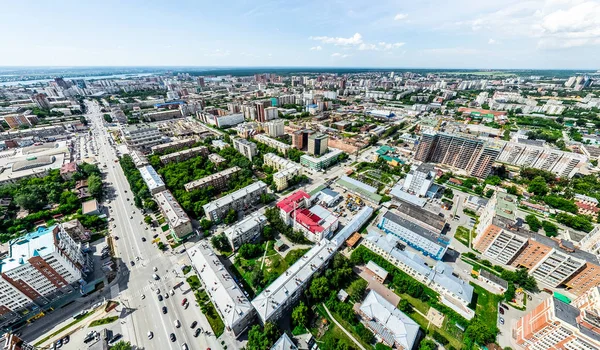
<point x="216" y="180"/>
<point x="246" y="231"/>
<point x="184" y="155"/>
<point x="239" y="200"/>
<point x="286" y="170"/>
<point x="179" y="222"/>
<point x="278" y="145"/>
<point x="154" y="182"/>
<point x="231" y="303"/>
<point x="460" y="151"/>
<point x="245" y="147"/>
<point x="315" y="221"/>
<point x="166" y="114"/>
<point x="366" y="192"/>
<point x="322" y="162"/>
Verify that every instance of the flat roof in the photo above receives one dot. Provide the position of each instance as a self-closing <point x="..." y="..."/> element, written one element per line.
<point x="194" y="150"/>
<point x="376" y="269"/>
<point x="569" y="314"/>
<point x="172" y="144"/>
<point x="493" y="277"/>
<point x="506" y="205"/>
<point x="174" y="213"/>
<point x="226" y="295"/>
<point x="332" y="154"/>
<point x="226" y="200"/>
<point x="425" y="216"/>
<point x="247" y="224"/>
<point x="36" y="243"/>
<point x="151" y="177"/>
<point x="210" y="178"/>
<point x="361" y="188"/>
<point x="89" y="206"/>
<point x="415" y="227"/>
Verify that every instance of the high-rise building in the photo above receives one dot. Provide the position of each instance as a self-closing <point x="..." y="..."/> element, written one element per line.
<point x="556" y="325"/>
<point x="261" y="114"/>
<point x="460" y="151"/>
<point x="300" y="138"/>
<point x="271" y="113"/>
<point x="275" y="128"/>
<point x="41" y="101"/>
<point x="61" y="83"/>
<point x="201" y="81"/>
<point x="317" y="144"/>
<point x="419" y="180"/>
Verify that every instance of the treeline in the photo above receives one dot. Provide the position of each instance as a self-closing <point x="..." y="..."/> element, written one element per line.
<point x="141" y="194"/>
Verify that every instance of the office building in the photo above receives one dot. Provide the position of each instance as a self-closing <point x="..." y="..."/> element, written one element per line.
<point x="179" y="223"/>
<point x="246" y="231"/>
<point x="271" y="113"/>
<point x="454" y="292"/>
<point x="229" y="300"/>
<point x="41" y="100"/>
<point x="217" y="180"/>
<point x="275" y="128"/>
<point x="278" y="145"/>
<point x="154" y="182"/>
<point x="141" y="136"/>
<point x="245" y="147"/>
<point x="172" y="146"/>
<point x="41" y="267"/>
<point x="286" y="169"/>
<point x="460" y="151"/>
<point x="223" y="121"/>
<point x="322" y="162"/>
<point x="557" y="325"/>
<point x="419" y="180"/>
<point x="526" y="155"/>
<point x="239" y="200"/>
<point x="300" y="138"/>
<point x="184" y="155"/>
<point x="314" y="221"/>
<point x="552" y="262"/>
<point x="317" y="144"/>
<point x="390" y="324"/>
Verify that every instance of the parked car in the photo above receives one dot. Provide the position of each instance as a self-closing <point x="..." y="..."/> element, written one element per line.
<point x="160" y="298"/>
<point x="164" y="309"/>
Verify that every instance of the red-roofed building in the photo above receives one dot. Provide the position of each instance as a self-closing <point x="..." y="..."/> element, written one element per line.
<point x="67" y="170"/>
<point x="315" y="222"/>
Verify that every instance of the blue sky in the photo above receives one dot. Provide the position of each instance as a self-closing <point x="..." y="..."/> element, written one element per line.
<point x="381" y="33"/>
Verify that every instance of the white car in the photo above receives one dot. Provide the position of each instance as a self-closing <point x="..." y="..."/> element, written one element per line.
<point x="155" y="276"/>
<point x="177" y="323"/>
<point x="150" y="335"/>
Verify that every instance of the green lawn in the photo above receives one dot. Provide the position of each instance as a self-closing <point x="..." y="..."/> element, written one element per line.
<point x="104" y="321"/>
<point x="487" y="305"/>
<point x="462" y="235"/>
<point x="194" y="282"/>
<point x="208" y="309"/>
<point x="416" y="303"/>
<point x="334" y="333"/>
<point x="453" y="337"/>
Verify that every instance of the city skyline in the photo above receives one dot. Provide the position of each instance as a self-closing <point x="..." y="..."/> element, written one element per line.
<point x="543" y="34"/>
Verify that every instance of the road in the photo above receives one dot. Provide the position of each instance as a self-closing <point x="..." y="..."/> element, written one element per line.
<point x="141" y="310"/>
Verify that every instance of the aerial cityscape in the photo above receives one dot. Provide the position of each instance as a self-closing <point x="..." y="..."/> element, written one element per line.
<point x="376" y="185"/>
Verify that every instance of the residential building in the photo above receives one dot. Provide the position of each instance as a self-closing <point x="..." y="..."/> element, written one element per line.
<point x="278" y="145"/>
<point x="300" y="138"/>
<point x="154" y="182"/>
<point x="461" y="151"/>
<point x="167" y="114"/>
<point x="239" y="200"/>
<point x="284" y="343"/>
<point x="379" y="273"/>
<point x="591" y="241"/>
<point x="280" y="296"/>
<point x="454" y="292"/>
<point x="142" y="136"/>
<point x="286" y="170"/>
<point x="217" y="180"/>
<point x="368" y="193"/>
<point x="271" y="113"/>
<point x="275" y="128"/>
<point x="390" y="324"/>
<point x="245" y="147"/>
<point x="563" y="164"/>
<point x="184" y="155"/>
<point x="493" y="281"/>
<point x="138" y="158"/>
<point x="586" y="205"/>
<point x="216" y="159"/>
<point x="67" y="170"/>
<point x="246" y="231"/>
<point x="317" y="144"/>
<point x="261" y="114"/>
<point x="41" y="100"/>
<point x="90" y="207"/>
<point x="9" y="341"/>
<point x="229" y="300"/>
<point x="16" y="120"/>
<point x="322" y="162"/>
<point x="418" y="228"/>
<point x="223" y="121"/>
<point x="419" y="179"/>
<point x="41" y="267"/>
<point x="76" y="231"/>
<point x="314" y="221"/>
<point x="556" y="325"/>
<point x="179" y="223"/>
<point x="172" y="146"/>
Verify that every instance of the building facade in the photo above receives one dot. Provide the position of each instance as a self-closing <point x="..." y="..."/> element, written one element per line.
<point x="246" y="231"/>
<point x="323" y="162"/>
<point x="278" y="145"/>
<point x="239" y="200"/>
<point x="216" y="180"/>
<point x="184" y="155"/>
<point x="245" y="147"/>
<point x="179" y="222"/>
<point x="317" y="144"/>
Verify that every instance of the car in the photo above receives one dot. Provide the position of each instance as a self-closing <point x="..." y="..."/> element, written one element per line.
<point x="164" y="309"/>
<point x="143" y="239"/>
<point x="160" y="298"/>
<point x="177" y="323"/>
<point x="194" y="324"/>
<point x="155" y="276"/>
<point x="132" y="263"/>
<point x="166" y="295"/>
<point x="156" y="235"/>
<point x="501" y="311"/>
<point x="114" y="225"/>
<point x="66" y="339"/>
<point x="183" y="301"/>
<point x="184" y="346"/>
<point x="158" y="291"/>
<point x="501" y="320"/>
<point x="197" y="332"/>
<point x="125" y="191"/>
<point x="115" y="338"/>
<point x="186" y="306"/>
<point x="127" y="198"/>
<point x="131" y="217"/>
<point x="116" y="238"/>
<point x="172" y="337"/>
<point x="58" y="344"/>
<point x="150" y="335"/>
<point x="504" y="306"/>
<point x="155" y="269"/>
<point x="172" y="292"/>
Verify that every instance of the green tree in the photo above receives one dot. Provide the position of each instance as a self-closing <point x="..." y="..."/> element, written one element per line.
<point x="427" y="344"/>
<point x="300" y="315"/>
<point x="221" y="243"/>
<point x="357" y="289"/>
<point x="121" y="345"/>
<point x="319" y="288"/>
<point x="95" y="185"/>
<point x="147" y="220"/>
<point x="404" y="306"/>
<point x="550" y="229"/>
<point x="533" y="222"/>
<point x="231" y="217"/>
<point x="205" y="224"/>
<point x="480" y="333"/>
<point x="538" y="186"/>
<point x="260" y="338"/>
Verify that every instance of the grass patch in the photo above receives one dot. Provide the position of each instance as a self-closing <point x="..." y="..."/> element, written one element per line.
<point x="463" y="235"/>
<point x="208" y="309"/>
<point x="186" y="269"/>
<point x="486" y="307"/>
<point x="194" y="282"/>
<point x="103" y="321"/>
<point x="334" y="334"/>
<point x="453" y="337"/>
<point x="416" y="303"/>
<point x="65" y="327"/>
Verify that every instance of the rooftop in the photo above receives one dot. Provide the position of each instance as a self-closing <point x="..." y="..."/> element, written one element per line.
<point x="493" y="277"/>
<point x="230" y="198"/>
<point x="174" y="213"/>
<point x="291" y="202"/>
<point x="284" y="343"/>
<point x="226" y="295"/>
<point x="36" y="243"/>
<point x="362" y="188"/>
<point x="570" y="314"/>
<point x="425" y="216"/>
<point x="315" y="219"/>
<point x="151" y="177"/>
<point x="247" y="224"/>
<point x="208" y="179"/>
<point x="193" y="150"/>
<point x="333" y="153"/>
<point x="506" y="205"/>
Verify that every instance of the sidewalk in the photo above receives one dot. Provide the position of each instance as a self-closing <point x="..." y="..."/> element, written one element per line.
<point x="343" y="329"/>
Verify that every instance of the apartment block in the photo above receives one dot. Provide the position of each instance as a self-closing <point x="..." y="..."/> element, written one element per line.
<point x="460" y="151"/>
<point x="41" y="267"/>
<point x="239" y="200"/>
<point x="142" y="136"/>
<point x="216" y="159"/>
<point x="286" y="170"/>
<point x="591" y="241"/>
<point x="184" y="155"/>
<point x="154" y="182"/>
<point x="275" y="128"/>
<point x="300" y="138"/>
<point x="229" y="300"/>
<point x="217" y="180"/>
<point x="172" y="146"/>
<point x="162" y="115"/>
<point x="317" y="144"/>
<point x="278" y="145"/>
<point x="271" y="113"/>
<point x="245" y="147"/>
<point x="246" y="231"/>
<point x="314" y="221"/>
<point x="419" y="180"/>
<point x="179" y="222"/>
<point x="557" y="325"/>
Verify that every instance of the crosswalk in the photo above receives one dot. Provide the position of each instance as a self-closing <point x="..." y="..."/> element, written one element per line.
<point x="165" y="284"/>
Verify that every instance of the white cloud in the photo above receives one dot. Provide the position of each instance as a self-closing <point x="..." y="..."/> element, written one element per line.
<point x="381" y="46"/>
<point x="452" y="51"/>
<point x="316" y="48"/>
<point x="356" y="39"/>
<point x="339" y="55"/>
<point x="578" y="25"/>
<point x="492" y="41"/>
<point x="218" y="53"/>
<point x="400" y="16"/>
